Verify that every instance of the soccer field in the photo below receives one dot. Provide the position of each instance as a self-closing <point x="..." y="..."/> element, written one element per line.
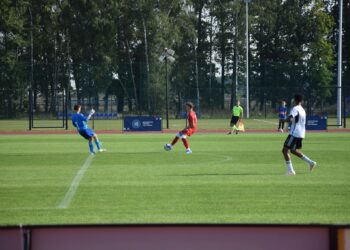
<point x="50" y="179"/>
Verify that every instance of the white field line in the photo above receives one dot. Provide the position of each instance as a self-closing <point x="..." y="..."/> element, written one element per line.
<point x="260" y="120"/>
<point x="75" y="183"/>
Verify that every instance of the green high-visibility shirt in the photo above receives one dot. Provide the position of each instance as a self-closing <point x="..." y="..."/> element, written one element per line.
<point x="237" y="110"/>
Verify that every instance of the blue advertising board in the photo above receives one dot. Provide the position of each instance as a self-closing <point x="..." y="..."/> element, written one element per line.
<point x="142" y="123"/>
<point x="314" y="122"/>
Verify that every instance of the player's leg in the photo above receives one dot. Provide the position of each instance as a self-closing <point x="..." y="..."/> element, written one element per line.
<point x="237" y="127"/>
<point x="168" y="146"/>
<point x="91" y="134"/>
<point x="186" y="142"/>
<point x="176" y="139"/>
<point x="234" y="121"/>
<point x="91" y="146"/>
<point x="98" y="143"/>
<point x="288" y="144"/>
<point x="280" y="125"/>
<point x="231" y="126"/>
<point x="88" y="136"/>
<point x="301" y="155"/>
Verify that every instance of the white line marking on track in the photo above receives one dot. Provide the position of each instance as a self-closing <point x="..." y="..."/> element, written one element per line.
<point x="259" y="120"/>
<point x="75" y="184"/>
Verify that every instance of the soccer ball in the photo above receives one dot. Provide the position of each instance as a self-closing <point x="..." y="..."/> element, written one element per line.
<point x="167" y="147"/>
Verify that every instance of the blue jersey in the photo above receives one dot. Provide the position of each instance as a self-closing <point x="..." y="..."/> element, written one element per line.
<point x="282" y="112"/>
<point x="79" y="121"/>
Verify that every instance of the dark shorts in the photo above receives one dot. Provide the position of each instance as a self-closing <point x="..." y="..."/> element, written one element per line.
<point x="293" y="142"/>
<point x="234" y="120"/>
<point x="87" y="133"/>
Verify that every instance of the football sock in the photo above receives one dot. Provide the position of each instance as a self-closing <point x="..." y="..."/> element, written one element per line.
<point x="307" y="159"/>
<point x="289" y="165"/>
<point x="174" y="141"/>
<point x="184" y="140"/>
<point x="98" y="144"/>
<point x="91" y="147"/>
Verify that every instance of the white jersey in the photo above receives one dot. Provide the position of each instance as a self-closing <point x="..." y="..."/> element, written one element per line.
<point x="298" y="123"/>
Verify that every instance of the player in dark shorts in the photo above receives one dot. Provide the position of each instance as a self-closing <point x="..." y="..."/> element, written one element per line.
<point x="293" y="143"/>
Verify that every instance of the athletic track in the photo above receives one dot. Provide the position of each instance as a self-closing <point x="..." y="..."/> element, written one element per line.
<point x="63" y="132"/>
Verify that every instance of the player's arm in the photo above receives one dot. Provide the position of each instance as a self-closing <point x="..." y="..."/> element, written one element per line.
<point x="289" y="119"/>
<point x="83" y="118"/>
<point x="92" y="112"/>
<point x="291" y="116"/>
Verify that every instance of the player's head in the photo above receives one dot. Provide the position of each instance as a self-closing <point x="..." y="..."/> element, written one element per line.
<point x="283" y="103"/>
<point x="298" y="98"/>
<point x="77" y="108"/>
<point x="238" y="102"/>
<point x="189" y="106"/>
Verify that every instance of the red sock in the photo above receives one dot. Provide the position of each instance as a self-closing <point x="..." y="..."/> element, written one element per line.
<point x="175" y="140"/>
<point x="184" y="140"/>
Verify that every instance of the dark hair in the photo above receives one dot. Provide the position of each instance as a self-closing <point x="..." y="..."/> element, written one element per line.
<point x="190" y="104"/>
<point x="298" y="98"/>
<point x="76" y="107"/>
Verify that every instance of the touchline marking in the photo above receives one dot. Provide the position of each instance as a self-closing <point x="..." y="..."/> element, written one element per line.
<point x="259" y="120"/>
<point x="75" y="183"/>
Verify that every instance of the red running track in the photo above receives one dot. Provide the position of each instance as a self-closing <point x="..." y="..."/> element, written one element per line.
<point x="62" y="132"/>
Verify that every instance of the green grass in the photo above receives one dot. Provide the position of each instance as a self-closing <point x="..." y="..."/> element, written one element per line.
<point x="227" y="179"/>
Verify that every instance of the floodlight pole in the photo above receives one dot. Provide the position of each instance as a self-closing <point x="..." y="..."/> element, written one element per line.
<point x="166" y="93"/>
<point x="339" y="82"/>
<point x="30" y="111"/>
<point x="247" y="55"/>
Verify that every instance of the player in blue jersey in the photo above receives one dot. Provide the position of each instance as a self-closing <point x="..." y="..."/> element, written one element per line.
<point x="80" y="122"/>
<point x="282" y="115"/>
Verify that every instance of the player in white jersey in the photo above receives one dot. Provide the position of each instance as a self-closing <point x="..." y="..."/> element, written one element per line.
<point x="296" y="135"/>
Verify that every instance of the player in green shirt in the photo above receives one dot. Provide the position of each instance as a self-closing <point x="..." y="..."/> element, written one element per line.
<point x="237" y="116"/>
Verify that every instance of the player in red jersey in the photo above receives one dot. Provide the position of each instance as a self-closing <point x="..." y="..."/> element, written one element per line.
<point x="188" y="131"/>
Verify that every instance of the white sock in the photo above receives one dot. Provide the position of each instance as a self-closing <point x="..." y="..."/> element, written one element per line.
<point x="290" y="166"/>
<point x="307" y="159"/>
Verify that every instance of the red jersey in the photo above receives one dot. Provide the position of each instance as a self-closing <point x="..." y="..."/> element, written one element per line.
<point x="192" y="119"/>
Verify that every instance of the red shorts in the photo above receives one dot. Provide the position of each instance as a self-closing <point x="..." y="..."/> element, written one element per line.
<point x="188" y="132"/>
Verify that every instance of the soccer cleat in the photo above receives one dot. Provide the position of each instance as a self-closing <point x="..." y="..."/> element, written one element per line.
<point x="92" y="153"/>
<point x="291" y="173"/>
<point x="312" y="165"/>
<point x="102" y="150"/>
<point x="229" y="133"/>
<point x="281" y="130"/>
<point x="188" y="151"/>
<point x="168" y="147"/>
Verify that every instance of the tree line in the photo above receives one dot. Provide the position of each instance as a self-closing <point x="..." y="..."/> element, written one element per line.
<point x="112" y="48"/>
